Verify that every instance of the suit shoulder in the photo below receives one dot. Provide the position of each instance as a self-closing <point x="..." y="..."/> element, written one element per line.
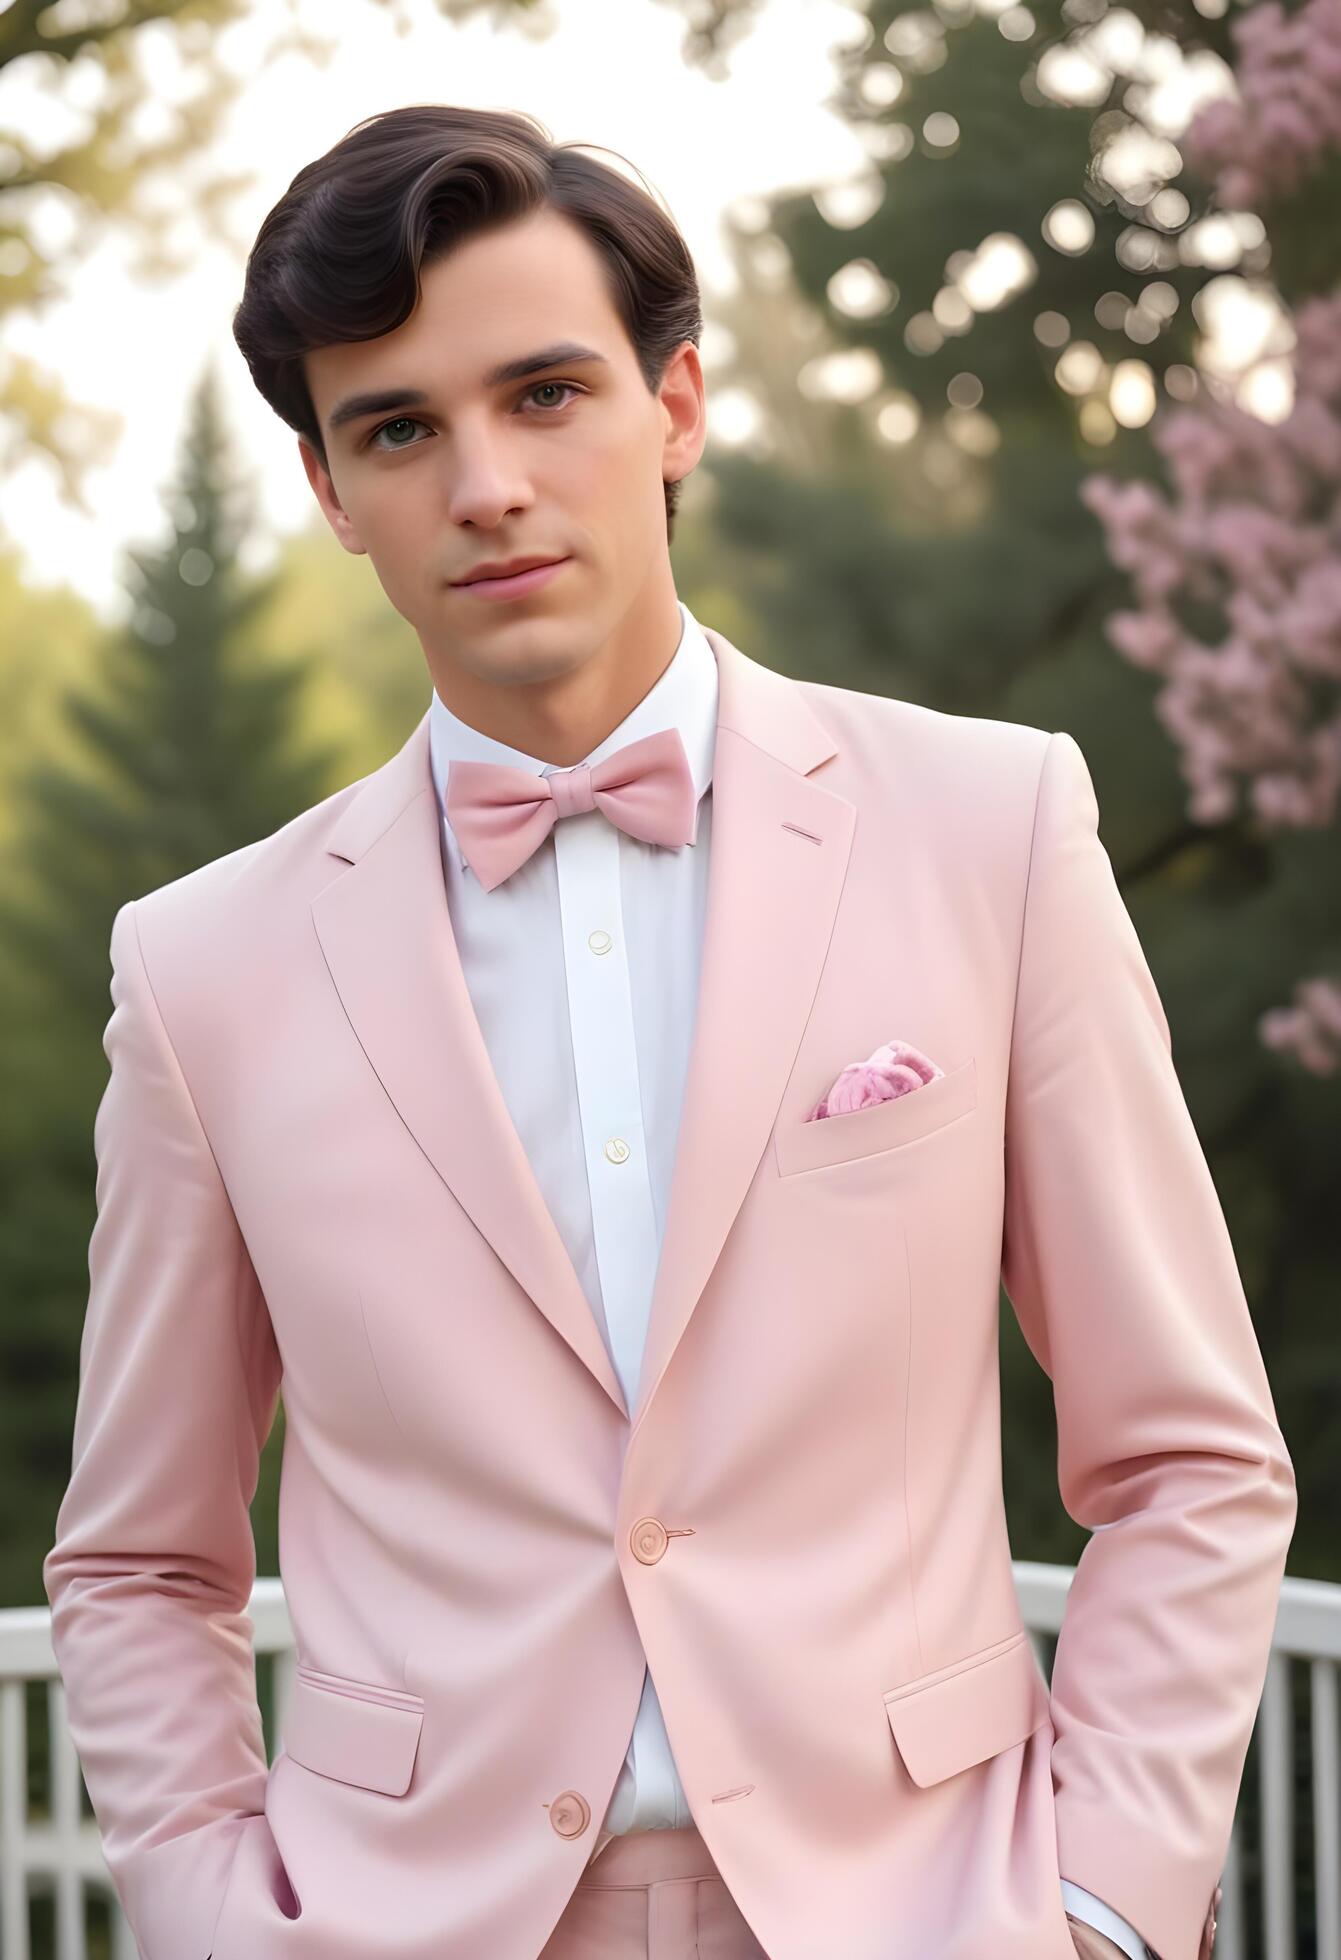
<point x="904" y="739"/>
<point x="250" y="866"/>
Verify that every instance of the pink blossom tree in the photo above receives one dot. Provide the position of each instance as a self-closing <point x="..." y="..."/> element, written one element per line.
<point x="1236" y="569"/>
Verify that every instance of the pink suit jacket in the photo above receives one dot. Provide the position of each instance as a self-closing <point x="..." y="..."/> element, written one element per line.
<point x="307" y="1175"/>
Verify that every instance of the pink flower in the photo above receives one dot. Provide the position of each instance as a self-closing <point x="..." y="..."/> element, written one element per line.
<point x="1285" y="120"/>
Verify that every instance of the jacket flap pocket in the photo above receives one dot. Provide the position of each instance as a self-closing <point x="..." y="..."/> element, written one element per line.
<point x="955" y="1718"/>
<point x="369" y="1738"/>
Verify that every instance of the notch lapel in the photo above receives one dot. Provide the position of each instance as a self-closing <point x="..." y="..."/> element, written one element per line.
<point x="386" y="933"/>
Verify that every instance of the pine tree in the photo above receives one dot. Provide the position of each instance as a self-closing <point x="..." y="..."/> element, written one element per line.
<point x="184" y="744"/>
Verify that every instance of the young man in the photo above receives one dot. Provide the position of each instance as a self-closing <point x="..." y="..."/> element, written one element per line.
<point x="641" y="1519"/>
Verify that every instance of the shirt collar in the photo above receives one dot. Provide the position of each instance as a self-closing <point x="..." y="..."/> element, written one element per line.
<point x="684" y="697"/>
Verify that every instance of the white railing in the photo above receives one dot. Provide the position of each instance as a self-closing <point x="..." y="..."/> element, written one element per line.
<point x="61" y="1855"/>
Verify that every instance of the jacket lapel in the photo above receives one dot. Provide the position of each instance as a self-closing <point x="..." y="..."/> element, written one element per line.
<point x="780" y="846"/>
<point x="385" y="930"/>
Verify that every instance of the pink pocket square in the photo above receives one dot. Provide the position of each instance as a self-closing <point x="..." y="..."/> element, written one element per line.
<point x="895" y="1068"/>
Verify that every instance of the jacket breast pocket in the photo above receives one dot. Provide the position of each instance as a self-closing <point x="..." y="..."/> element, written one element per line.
<point x="352" y="1730"/>
<point x="855" y="1133"/>
<point x="962" y="1714"/>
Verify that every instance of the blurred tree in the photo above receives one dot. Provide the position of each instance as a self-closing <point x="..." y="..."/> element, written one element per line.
<point x="182" y="748"/>
<point x="139" y="160"/>
<point x="369" y="682"/>
<point x="983" y="240"/>
<point x="1237" y="572"/>
<point x="181" y="754"/>
<point x="1235" y="606"/>
<point x="107" y="172"/>
<point x="49" y="639"/>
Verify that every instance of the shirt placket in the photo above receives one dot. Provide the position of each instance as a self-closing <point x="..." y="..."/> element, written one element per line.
<point x="623" y="1216"/>
<point x="605" y="1062"/>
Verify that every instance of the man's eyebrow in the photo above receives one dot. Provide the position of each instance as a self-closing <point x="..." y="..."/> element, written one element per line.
<point x="564" y="353"/>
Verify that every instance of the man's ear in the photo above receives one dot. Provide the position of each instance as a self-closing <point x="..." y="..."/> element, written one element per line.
<point x="324" y="492"/>
<point x="683" y="401"/>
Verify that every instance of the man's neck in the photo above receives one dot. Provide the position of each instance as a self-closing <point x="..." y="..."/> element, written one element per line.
<point x="563" y="719"/>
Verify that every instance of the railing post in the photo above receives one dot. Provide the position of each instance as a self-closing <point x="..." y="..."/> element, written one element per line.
<point x="1276" y="1781"/>
<point x="13" y="1814"/>
<point x="1325" y="1739"/>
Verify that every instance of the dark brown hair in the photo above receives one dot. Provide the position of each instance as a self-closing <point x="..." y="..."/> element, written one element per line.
<point x="339" y="257"/>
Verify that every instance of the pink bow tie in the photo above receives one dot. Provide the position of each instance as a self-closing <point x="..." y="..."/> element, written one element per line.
<point x="500" y="814"/>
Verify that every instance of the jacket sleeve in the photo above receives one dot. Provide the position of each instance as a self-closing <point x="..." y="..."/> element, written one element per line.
<point x="1120" y="1269"/>
<point x="150" y="1575"/>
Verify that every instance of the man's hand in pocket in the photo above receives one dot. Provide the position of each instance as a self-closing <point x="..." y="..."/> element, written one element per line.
<point x="1090" y="1943"/>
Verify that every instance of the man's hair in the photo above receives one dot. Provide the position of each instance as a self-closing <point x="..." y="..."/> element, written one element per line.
<point x="339" y="257"/>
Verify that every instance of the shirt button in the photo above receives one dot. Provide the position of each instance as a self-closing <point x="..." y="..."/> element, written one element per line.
<point x="617" y="1150"/>
<point x="600" y="940"/>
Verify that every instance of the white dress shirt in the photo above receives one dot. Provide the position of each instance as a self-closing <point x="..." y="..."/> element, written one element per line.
<point x="583" y="968"/>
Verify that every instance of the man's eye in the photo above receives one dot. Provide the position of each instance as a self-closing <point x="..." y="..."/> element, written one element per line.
<point x="412" y="422"/>
<point x="567" y="387"/>
<point x="400" y="422"/>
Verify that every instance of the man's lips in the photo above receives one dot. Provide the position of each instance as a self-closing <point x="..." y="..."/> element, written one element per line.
<point x="513" y="570"/>
<point x="514" y="586"/>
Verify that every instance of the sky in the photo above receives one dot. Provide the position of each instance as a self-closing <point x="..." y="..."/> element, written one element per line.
<point x="611" y="74"/>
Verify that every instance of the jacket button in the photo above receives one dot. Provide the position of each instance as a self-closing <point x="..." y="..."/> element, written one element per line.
<point x="648" y="1540"/>
<point x="570" y="1813"/>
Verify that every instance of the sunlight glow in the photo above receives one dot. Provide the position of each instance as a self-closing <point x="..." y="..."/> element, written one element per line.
<point x="1002" y="266"/>
<point x="1069" y="226"/>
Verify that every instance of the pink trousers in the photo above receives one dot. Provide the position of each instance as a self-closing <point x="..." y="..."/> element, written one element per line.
<point x="653" y="1895"/>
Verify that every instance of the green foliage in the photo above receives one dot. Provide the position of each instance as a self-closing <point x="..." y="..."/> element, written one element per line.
<point x="107" y="172"/>
<point x="184" y="743"/>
